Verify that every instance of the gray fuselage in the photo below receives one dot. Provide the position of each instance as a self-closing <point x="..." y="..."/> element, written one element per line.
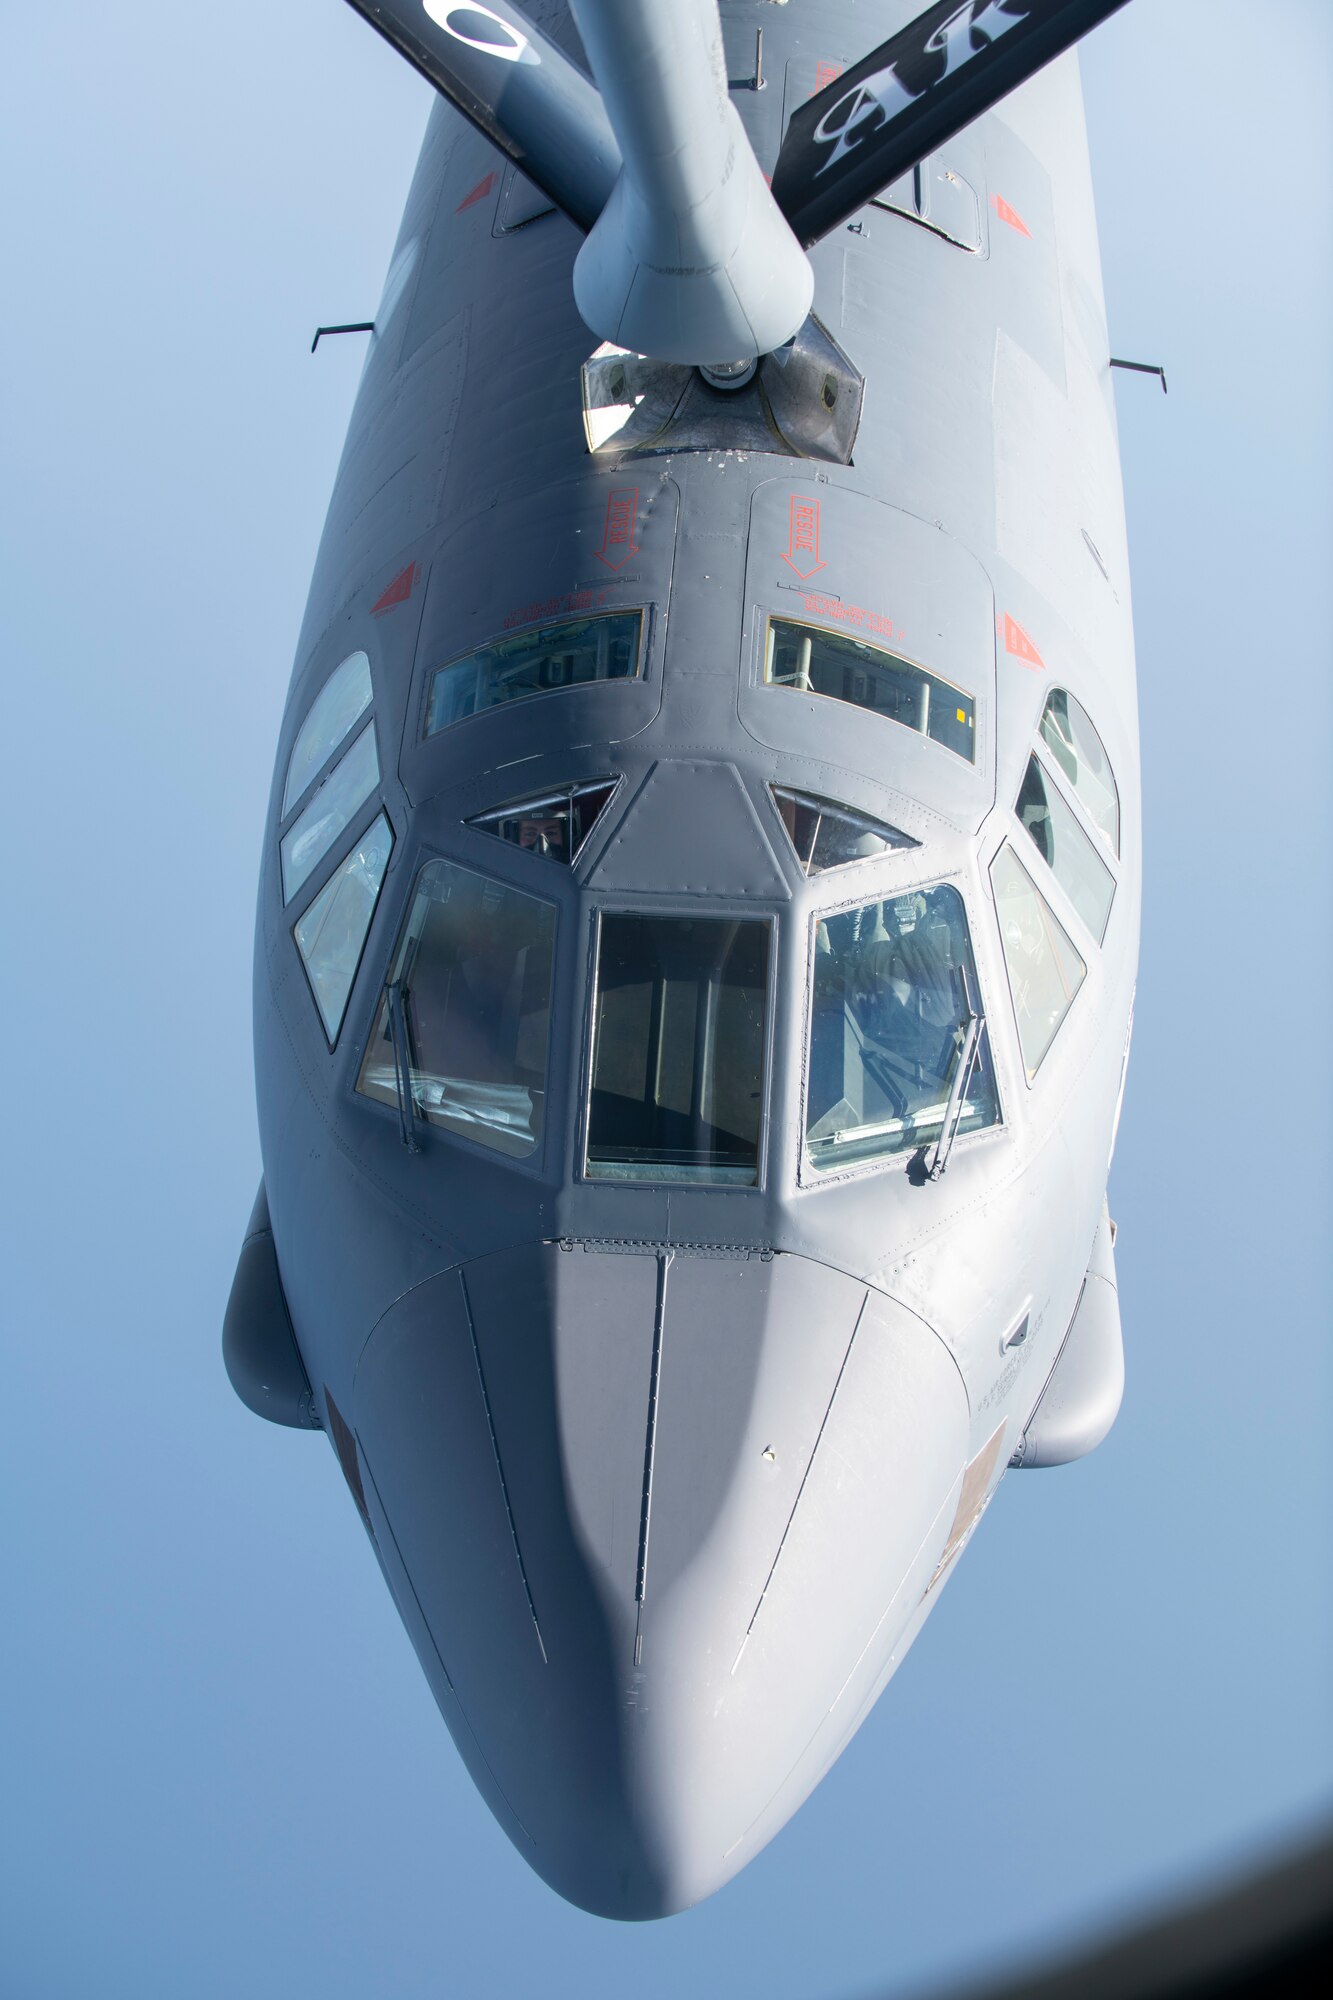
<point x="664" y="1472"/>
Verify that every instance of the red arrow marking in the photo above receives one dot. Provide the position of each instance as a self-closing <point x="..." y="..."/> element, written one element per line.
<point x="397" y="592"/>
<point x="622" y="513"/>
<point x="479" y="193"/>
<point x="802" y="550"/>
<point x="1017" y="642"/>
<point x="1009" y="215"/>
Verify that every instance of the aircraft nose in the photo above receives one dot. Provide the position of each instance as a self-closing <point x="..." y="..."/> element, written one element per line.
<point x="656" y="1523"/>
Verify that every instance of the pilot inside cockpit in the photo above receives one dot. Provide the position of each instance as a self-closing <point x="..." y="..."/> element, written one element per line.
<point x="544" y="833"/>
<point x="901" y="977"/>
<point x="894" y="987"/>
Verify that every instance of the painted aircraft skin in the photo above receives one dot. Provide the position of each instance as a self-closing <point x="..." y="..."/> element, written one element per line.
<point x="664" y="1475"/>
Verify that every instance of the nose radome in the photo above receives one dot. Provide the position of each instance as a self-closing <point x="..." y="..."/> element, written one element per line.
<point x="655" y="1521"/>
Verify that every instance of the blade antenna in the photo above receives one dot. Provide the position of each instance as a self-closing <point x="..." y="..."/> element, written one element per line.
<point x="1142" y="368"/>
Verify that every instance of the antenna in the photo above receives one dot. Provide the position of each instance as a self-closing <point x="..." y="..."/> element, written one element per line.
<point x="358" y="326"/>
<point x="1142" y="368"/>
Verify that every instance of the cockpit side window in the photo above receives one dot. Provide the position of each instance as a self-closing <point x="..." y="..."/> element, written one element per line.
<point x="331" y="932"/>
<point x="330" y="811"/>
<point x="554" y="824"/>
<point x="1045" y="970"/>
<point x="540" y="661"/>
<point x="344" y="697"/>
<point x="828" y="835"/>
<point x="1066" y="849"/>
<point x="815" y="661"/>
<point x="1067" y="731"/>
<point x="472" y="974"/>
<point x="894" y="998"/>
<point x="679" y="1026"/>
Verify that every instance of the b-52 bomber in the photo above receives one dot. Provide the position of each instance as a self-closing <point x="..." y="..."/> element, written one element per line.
<point x="699" y="907"/>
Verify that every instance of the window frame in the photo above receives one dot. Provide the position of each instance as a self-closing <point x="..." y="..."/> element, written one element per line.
<point x="412" y="864"/>
<point x="290" y="809"/>
<point x="1114" y="849"/>
<point x="766" y="913"/>
<point x="807" y="1175"/>
<point x="895" y="839"/>
<point x="1086" y="828"/>
<point x="771" y="617"/>
<point x="376" y="806"/>
<point x="1089" y="965"/>
<point x="612" y="781"/>
<point x="366" y="722"/>
<point x="643" y="612"/>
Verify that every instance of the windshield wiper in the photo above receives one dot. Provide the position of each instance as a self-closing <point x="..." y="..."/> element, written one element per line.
<point x="402" y="1062"/>
<point x="969" y="1050"/>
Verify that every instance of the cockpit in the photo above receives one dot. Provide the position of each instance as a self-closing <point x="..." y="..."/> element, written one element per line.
<point x="678" y="1023"/>
<point x="671" y="1054"/>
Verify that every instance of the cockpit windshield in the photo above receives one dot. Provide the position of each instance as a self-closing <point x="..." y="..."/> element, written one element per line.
<point x="895" y="996"/>
<point x="678" y="1049"/>
<point x="472" y="976"/>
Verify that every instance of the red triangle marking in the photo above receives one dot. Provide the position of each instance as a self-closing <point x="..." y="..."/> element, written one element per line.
<point x="1017" y="642"/>
<point x="478" y="193"/>
<point x="398" y="591"/>
<point x="1010" y="215"/>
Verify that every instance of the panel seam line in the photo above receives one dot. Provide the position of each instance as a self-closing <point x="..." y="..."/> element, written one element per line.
<point x="499" y="1466"/>
<point x="801" y="1488"/>
<point x="650" y="1450"/>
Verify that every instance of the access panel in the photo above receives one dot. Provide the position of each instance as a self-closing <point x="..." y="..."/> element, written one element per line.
<point x="905" y="616"/>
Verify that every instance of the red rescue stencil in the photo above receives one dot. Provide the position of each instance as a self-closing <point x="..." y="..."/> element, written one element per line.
<point x="1009" y="215"/>
<point x="802" y="551"/>
<point x="1017" y="642"/>
<point x="479" y="193"/>
<point x="825" y="74"/>
<point x="622" y="513"/>
<point x="397" y="592"/>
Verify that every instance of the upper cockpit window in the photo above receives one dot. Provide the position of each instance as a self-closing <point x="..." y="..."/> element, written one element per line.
<point x="330" y="934"/>
<point x="473" y="975"/>
<point x="549" y="657"/>
<point x="828" y="835"/>
<point x="1045" y="971"/>
<point x="555" y="824"/>
<point x="344" y="791"/>
<point x="344" y="696"/>
<point x="1067" y="729"/>
<point x="1066" y="849"/>
<point x="678" y="1049"/>
<point x="814" y="661"/>
<point x="895" y="996"/>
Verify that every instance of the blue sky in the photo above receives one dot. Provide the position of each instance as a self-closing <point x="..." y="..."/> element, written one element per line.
<point x="223" y="1769"/>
